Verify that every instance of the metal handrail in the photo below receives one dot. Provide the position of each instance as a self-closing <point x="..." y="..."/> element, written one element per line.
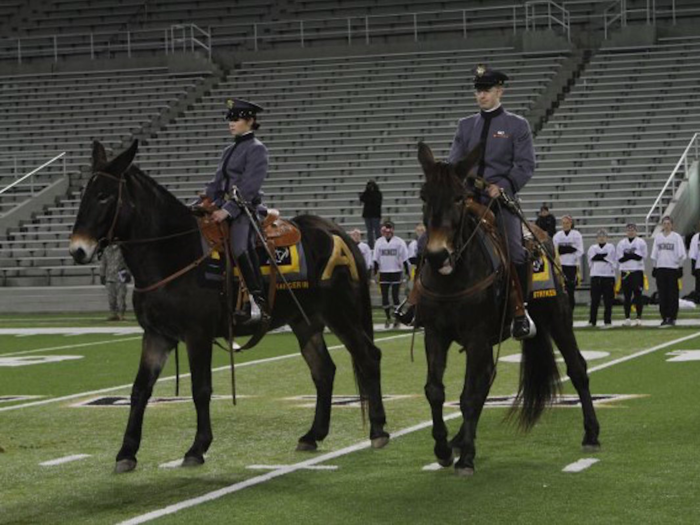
<point x="671" y="181"/>
<point x="609" y="20"/>
<point x="163" y="37"/>
<point x="35" y="170"/>
<point x="365" y="32"/>
<point x="564" y="19"/>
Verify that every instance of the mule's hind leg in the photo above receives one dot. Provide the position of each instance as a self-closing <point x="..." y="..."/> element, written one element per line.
<point x="154" y="354"/>
<point x="476" y="389"/>
<point x="199" y="355"/>
<point x="436" y="346"/>
<point x="315" y="352"/>
<point x="564" y="338"/>
<point x="366" y="358"/>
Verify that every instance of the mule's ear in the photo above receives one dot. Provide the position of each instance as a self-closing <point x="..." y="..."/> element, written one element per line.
<point x="99" y="156"/>
<point x="121" y="162"/>
<point x="464" y="166"/>
<point x="425" y="156"/>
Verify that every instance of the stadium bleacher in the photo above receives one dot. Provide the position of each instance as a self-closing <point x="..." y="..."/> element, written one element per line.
<point x="605" y="147"/>
<point x="332" y="124"/>
<point x="47" y="114"/>
<point x="617" y="135"/>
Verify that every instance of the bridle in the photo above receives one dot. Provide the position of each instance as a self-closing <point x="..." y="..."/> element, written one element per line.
<point x="460" y="248"/>
<point x="109" y="238"/>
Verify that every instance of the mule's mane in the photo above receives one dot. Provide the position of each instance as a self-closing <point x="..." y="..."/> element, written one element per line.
<point x="161" y="195"/>
<point x="442" y="183"/>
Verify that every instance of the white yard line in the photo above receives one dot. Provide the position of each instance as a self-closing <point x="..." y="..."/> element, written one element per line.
<point x="66" y="459"/>
<point x="276" y="467"/>
<point x="69" y="347"/>
<point x="257" y="480"/>
<point x="125" y="330"/>
<point x="171" y="378"/>
<point x="643" y="352"/>
<point x="580" y="465"/>
<point x="51" y="319"/>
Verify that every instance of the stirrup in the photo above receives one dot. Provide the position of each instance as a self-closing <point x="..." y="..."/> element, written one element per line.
<point x="518" y="330"/>
<point x="251" y="315"/>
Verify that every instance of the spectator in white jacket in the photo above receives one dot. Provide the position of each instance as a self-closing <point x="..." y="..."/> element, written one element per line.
<point x="569" y="245"/>
<point x="631" y="253"/>
<point x="602" y="262"/>
<point x="365" y="250"/>
<point x="668" y="254"/>
<point x="694" y="256"/>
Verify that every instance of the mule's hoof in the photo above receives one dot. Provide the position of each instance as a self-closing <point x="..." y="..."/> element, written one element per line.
<point x="380" y="442"/>
<point x="464" y="472"/>
<point x="591" y="447"/>
<point x="124" y="465"/>
<point x="305" y="446"/>
<point x="192" y="461"/>
<point x="446" y="462"/>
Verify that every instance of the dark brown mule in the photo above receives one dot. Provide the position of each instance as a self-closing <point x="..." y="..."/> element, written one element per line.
<point x="121" y="202"/>
<point x="464" y="299"/>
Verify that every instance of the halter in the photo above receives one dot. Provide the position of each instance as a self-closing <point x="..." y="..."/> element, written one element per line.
<point x="481" y="285"/>
<point x="120" y="201"/>
<point x="109" y="238"/>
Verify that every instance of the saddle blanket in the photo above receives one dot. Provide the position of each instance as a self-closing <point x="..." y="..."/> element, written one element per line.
<point x="544" y="279"/>
<point x="291" y="261"/>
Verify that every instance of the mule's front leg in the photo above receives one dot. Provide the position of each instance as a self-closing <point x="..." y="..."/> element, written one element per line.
<point x="476" y="388"/>
<point x="436" y="347"/>
<point x="199" y="354"/>
<point x="154" y="354"/>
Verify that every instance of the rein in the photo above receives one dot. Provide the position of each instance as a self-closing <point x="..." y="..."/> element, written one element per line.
<point x="476" y="229"/>
<point x="478" y="287"/>
<point x="175" y="275"/>
<point x="109" y="239"/>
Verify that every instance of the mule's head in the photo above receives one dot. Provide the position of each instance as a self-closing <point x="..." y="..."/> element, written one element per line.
<point x="101" y="203"/>
<point x="443" y="195"/>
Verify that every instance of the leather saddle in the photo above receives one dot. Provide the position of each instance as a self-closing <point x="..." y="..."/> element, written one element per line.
<point x="278" y="232"/>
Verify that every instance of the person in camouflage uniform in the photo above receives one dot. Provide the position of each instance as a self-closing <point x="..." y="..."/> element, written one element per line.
<point x="114" y="275"/>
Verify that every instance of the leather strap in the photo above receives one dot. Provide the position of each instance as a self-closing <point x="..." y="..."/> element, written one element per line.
<point x="472" y="290"/>
<point x="175" y="275"/>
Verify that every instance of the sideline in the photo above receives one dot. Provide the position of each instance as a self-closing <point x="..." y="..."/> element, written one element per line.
<point x="172" y="509"/>
<point x="68" y="347"/>
<point x="124" y="330"/>
<point x="296" y="353"/>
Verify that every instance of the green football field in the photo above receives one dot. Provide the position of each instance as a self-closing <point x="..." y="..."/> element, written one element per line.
<point x="62" y="395"/>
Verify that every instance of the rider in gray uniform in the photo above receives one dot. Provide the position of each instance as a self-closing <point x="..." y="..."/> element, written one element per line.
<point x="507" y="164"/>
<point x="243" y="167"/>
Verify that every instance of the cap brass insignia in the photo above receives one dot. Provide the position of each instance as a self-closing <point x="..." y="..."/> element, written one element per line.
<point x="480" y="70"/>
<point x="230" y="103"/>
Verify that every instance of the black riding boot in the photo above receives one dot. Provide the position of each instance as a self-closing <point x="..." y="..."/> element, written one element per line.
<point x="250" y="270"/>
<point x="523" y="325"/>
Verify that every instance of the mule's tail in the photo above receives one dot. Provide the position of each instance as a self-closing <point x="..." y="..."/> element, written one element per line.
<point x="539" y="380"/>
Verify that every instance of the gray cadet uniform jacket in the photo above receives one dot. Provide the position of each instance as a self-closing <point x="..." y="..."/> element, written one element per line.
<point x="510" y="155"/>
<point x="244" y="165"/>
<point x="508" y="161"/>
